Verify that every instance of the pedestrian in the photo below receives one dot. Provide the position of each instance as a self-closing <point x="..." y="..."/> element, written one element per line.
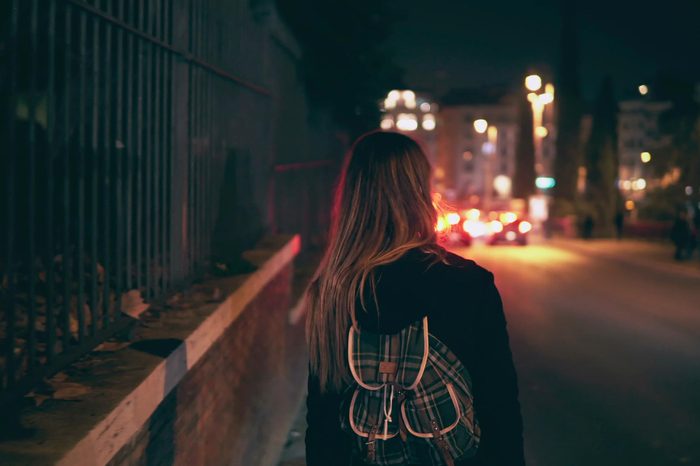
<point x="619" y="223"/>
<point x="383" y="274"/>
<point x="681" y="235"/>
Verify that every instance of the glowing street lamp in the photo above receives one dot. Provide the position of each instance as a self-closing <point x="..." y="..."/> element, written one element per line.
<point x="533" y="82"/>
<point x="480" y="125"/>
<point x="646" y="157"/>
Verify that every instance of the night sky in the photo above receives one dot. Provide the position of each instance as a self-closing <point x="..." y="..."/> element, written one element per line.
<point x="444" y="44"/>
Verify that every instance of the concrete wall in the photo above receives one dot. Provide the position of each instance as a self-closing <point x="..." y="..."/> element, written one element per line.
<point x="236" y="404"/>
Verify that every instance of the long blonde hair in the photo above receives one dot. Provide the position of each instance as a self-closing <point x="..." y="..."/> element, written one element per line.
<point x="382" y="208"/>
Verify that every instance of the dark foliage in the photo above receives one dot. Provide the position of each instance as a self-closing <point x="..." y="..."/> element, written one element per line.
<point x="568" y="107"/>
<point x="346" y="69"/>
<point x="602" y="160"/>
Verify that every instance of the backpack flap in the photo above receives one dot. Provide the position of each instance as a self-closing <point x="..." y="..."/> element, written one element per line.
<point x="399" y="359"/>
<point x="366" y="411"/>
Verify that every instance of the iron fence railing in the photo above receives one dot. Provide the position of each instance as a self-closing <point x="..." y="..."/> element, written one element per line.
<point x="118" y="118"/>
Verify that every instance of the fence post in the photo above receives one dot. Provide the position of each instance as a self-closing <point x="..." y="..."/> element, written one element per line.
<point x="179" y="121"/>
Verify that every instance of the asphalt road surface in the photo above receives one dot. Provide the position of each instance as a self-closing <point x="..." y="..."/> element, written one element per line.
<point x="608" y="355"/>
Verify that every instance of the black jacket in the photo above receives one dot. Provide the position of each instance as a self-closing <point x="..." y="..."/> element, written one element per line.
<point x="465" y="312"/>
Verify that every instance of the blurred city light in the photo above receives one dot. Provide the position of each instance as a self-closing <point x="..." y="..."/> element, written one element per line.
<point x="533" y="82"/>
<point x="408" y="95"/>
<point x="394" y="95"/>
<point x="480" y="125"/>
<point x="545" y="182"/>
<point x="492" y="132"/>
<point x="407" y="122"/>
<point x="545" y="98"/>
<point x="473" y="214"/>
<point x="495" y="226"/>
<point x="524" y="227"/>
<point x="688" y="190"/>
<point x="429" y="122"/>
<point x="474" y="227"/>
<point x="643" y="89"/>
<point x="387" y="123"/>
<point x="507" y="217"/>
<point x="441" y="224"/>
<point x="532" y="97"/>
<point x="452" y="218"/>
<point x="502" y="185"/>
<point x="549" y="89"/>
<point x="629" y="205"/>
<point x="639" y="184"/>
<point x="425" y="107"/>
<point x="646" y="157"/>
<point x="488" y="147"/>
<point x="389" y="103"/>
<point x="541" y="132"/>
<point x="467" y="155"/>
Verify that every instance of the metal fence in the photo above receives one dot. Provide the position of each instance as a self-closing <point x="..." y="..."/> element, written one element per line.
<point x="119" y="120"/>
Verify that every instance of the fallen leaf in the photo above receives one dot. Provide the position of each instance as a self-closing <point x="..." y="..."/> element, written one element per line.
<point x="70" y="391"/>
<point x="111" y="346"/>
<point x="133" y="304"/>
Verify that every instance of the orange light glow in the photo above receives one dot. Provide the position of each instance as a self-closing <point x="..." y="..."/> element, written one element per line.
<point x="508" y="217"/>
<point x="524" y="227"/>
<point x="441" y="224"/>
<point x="452" y="218"/>
<point x="473" y="214"/>
<point x="474" y="227"/>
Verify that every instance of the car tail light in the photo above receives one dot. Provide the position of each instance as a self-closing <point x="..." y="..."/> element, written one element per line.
<point x="452" y="218"/>
<point x="524" y="227"/>
<point x="475" y="228"/>
<point x="496" y="226"/>
<point x="508" y="217"/>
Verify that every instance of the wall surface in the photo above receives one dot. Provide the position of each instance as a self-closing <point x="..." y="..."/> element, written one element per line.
<point x="236" y="404"/>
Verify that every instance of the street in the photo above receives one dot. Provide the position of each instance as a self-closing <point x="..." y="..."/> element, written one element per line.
<point x="608" y="356"/>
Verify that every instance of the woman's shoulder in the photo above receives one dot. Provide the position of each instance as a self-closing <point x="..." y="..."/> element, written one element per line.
<point x="450" y="267"/>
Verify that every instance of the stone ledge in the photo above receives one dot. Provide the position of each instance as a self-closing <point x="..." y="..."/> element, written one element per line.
<point x="134" y="381"/>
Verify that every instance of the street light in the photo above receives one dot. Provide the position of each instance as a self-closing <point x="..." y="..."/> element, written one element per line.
<point x="480" y="125"/>
<point x="646" y="157"/>
<point x="538" y="102"/>
<point x="533" y="82"/>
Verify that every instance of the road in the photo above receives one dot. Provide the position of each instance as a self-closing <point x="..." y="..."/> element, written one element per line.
<point x="608" y="356"/>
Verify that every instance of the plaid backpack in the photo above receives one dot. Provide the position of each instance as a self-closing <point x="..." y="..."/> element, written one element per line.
<point x="411" y="402"/>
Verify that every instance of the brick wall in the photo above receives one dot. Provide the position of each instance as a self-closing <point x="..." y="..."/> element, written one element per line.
<point x="235" y="406"/>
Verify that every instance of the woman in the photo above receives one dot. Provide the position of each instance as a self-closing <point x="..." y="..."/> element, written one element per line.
<point x="384" y="268"/>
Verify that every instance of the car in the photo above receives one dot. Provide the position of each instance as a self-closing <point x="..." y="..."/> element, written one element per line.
<point x="450" y="229"/>
<point x="507" y="227"/>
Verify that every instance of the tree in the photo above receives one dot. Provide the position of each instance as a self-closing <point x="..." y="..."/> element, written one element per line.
<point x="568" y="105"/>
<point x="602" y="160"/>
<point x="524" y="178"/>
<point x="345" y="66"/>
<point x="681" y="125"/>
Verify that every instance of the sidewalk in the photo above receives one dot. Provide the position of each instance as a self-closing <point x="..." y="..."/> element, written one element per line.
<point x="648" y="254"/>
<point x="294" y="453"/>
